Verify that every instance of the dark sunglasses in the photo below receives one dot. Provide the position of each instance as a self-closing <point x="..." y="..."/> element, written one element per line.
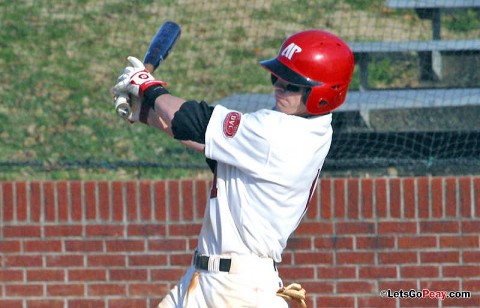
<point x="288" y="87"/>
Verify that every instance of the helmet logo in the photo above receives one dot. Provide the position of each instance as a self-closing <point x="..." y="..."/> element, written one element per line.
<point x="290" y="50"/>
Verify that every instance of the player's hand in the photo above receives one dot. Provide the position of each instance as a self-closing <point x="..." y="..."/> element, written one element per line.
<point x="127" y="106"/>
<point x="135" y="79"/>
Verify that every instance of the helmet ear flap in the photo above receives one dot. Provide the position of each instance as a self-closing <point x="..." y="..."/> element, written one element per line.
<point x="325" y="98"/>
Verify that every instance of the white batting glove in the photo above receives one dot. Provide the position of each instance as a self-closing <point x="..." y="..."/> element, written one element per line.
<point x="135" y="80"/>
<point x="129" y="90"/>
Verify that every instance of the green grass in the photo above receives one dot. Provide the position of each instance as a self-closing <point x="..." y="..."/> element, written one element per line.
<point x="58" y="60"/>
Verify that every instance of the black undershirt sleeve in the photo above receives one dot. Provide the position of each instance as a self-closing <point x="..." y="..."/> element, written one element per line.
<point x="190" y="123"/>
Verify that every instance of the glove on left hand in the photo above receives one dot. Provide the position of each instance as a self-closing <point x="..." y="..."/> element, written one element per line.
<point x="135" y="80"/>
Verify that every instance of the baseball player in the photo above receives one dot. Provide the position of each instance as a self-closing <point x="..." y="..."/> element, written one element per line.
<point x="266" y="165"/>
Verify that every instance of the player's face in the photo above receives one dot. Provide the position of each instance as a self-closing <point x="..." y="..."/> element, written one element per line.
<point x="288" y="97"/>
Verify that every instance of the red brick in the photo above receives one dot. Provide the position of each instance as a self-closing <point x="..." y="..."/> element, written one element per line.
<point x="147" y="289"/>
<point x="128" y="274"/>
<point x="45" y="303"/>
<point x="145" y="201"/>
<point x="64" y="260"/>
<point x="313" y="204"/>
<point x="355" y="257"/>
<point x="367" y="198"/>
<point x="183" y="259"/>
<point x="339" y="210"/>
<point x="147" y="260"/>
<point x="21" y="231"/>
<point x="132" y="207"/>
<point x="90" y="195"/>
<point x="184" y="230"/>
<point x="295" y="273"/>
<point x="397" y="257"/>
<point x="355" y="287"/>
<point x="299" y="243"/>
<point x="377" y="272"/>
<point x="465" y="241"/>
<point x="127" y="302"/>
<point x="160" y="201"/>
<point x="104" y="230"/>
<point x="168" y="274"/>
<point x="187" y="197"/>
<point x="62" y="200"/>
<point x="167" y="245"/>
<point x="8" y="201"/>
<point x="471" y="256"/>
<point x="355" y="227"/>
<point x="9" y="247"/>
<point x="11" y="303"/>
<point x="376" y="301"/>
<point x="24" y="290"/>
<point x="423" y="195"/>
<point x="472" y="285"/>
<point x="470" y="226"/>
<point x="461" y="271"/>
<point x="465" y="196"/>
<point x="84" y="245"/>
<point x="395" y="198"/>
<point x="442" y="284"/>
<point x="335" y="301"/>
<point x="417" y="242"/>
<point x="21" y="201"/>
<point x="336" y="272"/>
<point x="353" y="198"/>
<point x="87" y="275"/>
<point x="436" y="257"/>
<point x="117" y="201"/>
<point x="375" y="242"/>
<point x="107" y="289"/>
<point x="13" y="261"/>
<point x="86" y="303"/>
<point x="63" y="231"/>
<point x="202" y="196"/>
<point x="35" y="202"/>
<point x="397" y="285"/>
<point x="409" y="193"/>
<point x="448" y="226"/>
<point x="314" y="258"/>
<point x="451" y="205"/>
<point x="174" y="200"/>
<point x="438" y="202"/>
<point x="420" y="271"/>
<point x="402" y="227"/>
<point x="10" y="275"/>
<point x="76" y="201"/>
<point x="147" y="230"/>
<point x="314" y="228"/>
<point x="381" y="197"/>
<point x="106" y="260"/>
<point x="318" y="287"/>
<point x="65" y="290"/>
<point x="45" y="275"/>
<point x="125" y="245"/>
<point x="104" y="201"/>
<point x="326" y="208"/>
<point x="334" y="242"/>
<point x="42" y="246"/>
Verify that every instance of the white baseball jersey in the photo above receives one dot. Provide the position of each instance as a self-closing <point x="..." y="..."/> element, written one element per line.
<point x="268" y="163"/>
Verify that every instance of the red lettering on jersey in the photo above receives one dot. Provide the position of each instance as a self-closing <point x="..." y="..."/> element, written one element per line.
<point x="231" y="123"/>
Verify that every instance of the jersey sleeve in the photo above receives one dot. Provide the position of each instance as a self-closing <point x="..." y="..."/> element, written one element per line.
<point x="241" y="140"/>
<point x="191" y="120"/>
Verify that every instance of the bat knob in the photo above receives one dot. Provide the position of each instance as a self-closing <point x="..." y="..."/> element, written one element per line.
<point x="122" y="107"/>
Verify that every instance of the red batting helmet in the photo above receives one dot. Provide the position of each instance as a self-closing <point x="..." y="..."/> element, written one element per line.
<point x="318" y="60"/>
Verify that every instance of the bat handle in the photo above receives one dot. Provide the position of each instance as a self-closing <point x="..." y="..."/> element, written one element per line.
<point x="122" y="107"/>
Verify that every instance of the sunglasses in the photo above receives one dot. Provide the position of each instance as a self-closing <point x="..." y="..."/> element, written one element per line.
<point x="287" y="87"/>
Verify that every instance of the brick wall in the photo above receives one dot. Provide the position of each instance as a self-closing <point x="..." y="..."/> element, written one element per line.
<point x="124" y="244"/>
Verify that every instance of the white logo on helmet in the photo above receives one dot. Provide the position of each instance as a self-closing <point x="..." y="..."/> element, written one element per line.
<point x="290" y="50"/>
